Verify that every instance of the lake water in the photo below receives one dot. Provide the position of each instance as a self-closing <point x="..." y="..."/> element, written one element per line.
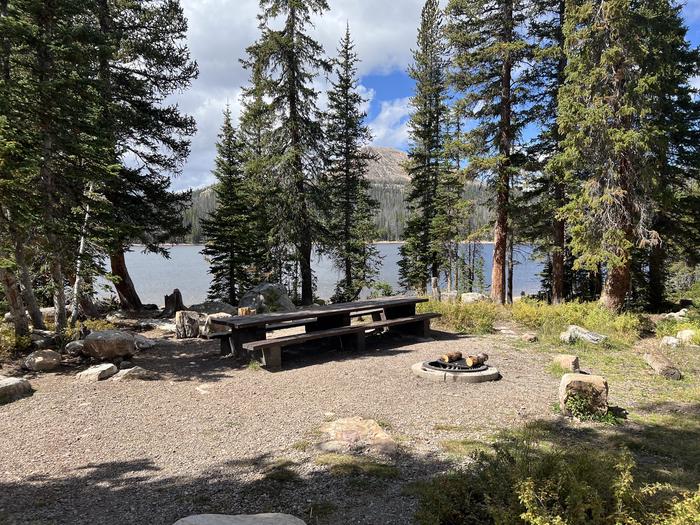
<point x="187" y="270"/>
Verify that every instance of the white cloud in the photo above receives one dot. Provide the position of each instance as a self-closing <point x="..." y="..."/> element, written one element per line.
<point x="390" y="127"/>
<point x="220" y="30"/>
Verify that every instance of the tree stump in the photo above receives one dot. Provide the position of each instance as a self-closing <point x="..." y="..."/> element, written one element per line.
<point x="173" y="303"/>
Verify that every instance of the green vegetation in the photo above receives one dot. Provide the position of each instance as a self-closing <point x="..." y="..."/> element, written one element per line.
<point x="471" y="318"/>
<point x="579" y="407"/>
<point x="348" y="465"/>
<point x="463" y="447"/>
<point x="528" y="479"/>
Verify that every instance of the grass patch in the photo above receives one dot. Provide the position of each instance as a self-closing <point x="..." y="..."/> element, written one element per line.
<point x="473" y="318"/>
<point x="302" y="445"/>
<point x="463" y="447"/>
<point x="348" y="465"/>
<point x="384" y="424"/>
<point x="281" y="471"/>
<point x="550" y="320"/>
<point x="557" y="370"/>
<point x="447" y="427"/>
<point x="9" y="344"/>
<point x="254" y="365"/>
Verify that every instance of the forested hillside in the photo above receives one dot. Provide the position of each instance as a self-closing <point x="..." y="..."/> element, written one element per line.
<point x="389" y="183"/>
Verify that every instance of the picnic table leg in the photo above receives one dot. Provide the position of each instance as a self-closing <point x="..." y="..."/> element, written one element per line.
<point x="239" y="337"/>
<point x="272" y="357"/>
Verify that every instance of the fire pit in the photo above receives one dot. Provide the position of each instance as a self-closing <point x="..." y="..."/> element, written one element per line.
<point x="467" y="370"/>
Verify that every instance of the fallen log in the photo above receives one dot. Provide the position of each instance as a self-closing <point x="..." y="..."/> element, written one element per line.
<point x="662" y="366"/>
<point x="451" y="357"/>
<point x="476" y="360"/>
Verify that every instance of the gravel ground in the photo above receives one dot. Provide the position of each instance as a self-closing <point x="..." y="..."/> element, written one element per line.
<point x="202" y="437"/>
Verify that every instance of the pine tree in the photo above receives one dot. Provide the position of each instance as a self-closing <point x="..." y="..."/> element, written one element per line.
<point x="352" y="210"/>
<point x="427" y="163"/>
<point x="619" y="54"/>
<point x="230" y="235"/>
<point x="289" y="59"/>
<point x="489" y="47"/>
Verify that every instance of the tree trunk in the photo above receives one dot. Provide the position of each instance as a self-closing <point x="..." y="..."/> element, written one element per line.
<point x="558" y="261"/>
<point x="657" y="278"/>
<point x="78" y="283"/>
<point x="28" y="288"/>
<point x="511" y="267"/>
<point x="616" y="286"/>
<point x="15" y="302"/>
<point x="128" y="298"/>
<point x="662" y="366"/>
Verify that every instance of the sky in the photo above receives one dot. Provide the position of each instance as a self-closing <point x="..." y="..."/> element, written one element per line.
<point x="384" y="32"/>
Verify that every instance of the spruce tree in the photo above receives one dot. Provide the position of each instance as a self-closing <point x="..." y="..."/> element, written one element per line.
<point x="489" y="47"/>
<point x="229" y="233"/>
<point x="427" y="163"/>
<point x="352" y="210"/>
<point x="621" y="58"/>
<point x="290" y="59"/>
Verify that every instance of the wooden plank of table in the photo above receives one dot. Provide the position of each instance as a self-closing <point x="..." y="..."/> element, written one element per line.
<point x="238" y="321"/>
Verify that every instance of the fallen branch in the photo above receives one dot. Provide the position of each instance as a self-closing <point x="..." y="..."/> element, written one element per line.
<point x="662" y="366"/>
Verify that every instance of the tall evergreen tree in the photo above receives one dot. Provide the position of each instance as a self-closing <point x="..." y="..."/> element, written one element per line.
<point x="615" y="144"/>
<point x="352" y="210"/>
<point x="229" y="232"/>
<point x="489" y="45"/>
<point x="289" y="59"/>
<point x="420" y="261"/>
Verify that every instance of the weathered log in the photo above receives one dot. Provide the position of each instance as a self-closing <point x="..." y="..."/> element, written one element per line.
<point x="662" y="366"/>
<point x="476" y="360"/>
<point x="451" y="357"/>
<point x="173" y="303"/>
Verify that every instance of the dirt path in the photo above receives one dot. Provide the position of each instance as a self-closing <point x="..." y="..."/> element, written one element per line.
<point x="203" y="437"/>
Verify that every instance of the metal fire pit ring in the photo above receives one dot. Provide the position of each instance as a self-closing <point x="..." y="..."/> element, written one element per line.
<point x="476" y="375"/>
<point x="455" y="366"/>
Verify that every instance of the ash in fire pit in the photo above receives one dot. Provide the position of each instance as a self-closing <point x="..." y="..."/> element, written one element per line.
<point x="453" y="368"/>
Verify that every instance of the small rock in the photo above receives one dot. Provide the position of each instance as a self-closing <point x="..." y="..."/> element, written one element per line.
<point x="473" y="297"/>
<point x="594" y="389"/>
<point x="42" y="361"/>
<point x="671" y="341"/>
<point x="529" y="337"/>
<point x="143" y="343"/>
<point x="75" y="348"/>
<point x="124" y="365"/>
<point x="135" y="373"/>
<point x="109" y="344"/>
<point x="240" y="519"/>
<point x="687" y="337"/>
<point x="211" y="326"/>
<point x="575" y="333"/>
<point x="679" y="315"/>
<point x="98" y="372"/>
<point x="13" y="388"/>
<point x="186" y="324"/>
<point x="567" y="362"/>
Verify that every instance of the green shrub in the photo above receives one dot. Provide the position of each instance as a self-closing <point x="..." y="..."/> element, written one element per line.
<point x="527" y="482"/>
<point x="473" y="318"/>
<point x="381" y="289"/>
<point x="9" y="343"/>
<point x="552" y="319"/>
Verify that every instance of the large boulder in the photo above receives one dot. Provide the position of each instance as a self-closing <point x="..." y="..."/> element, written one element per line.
<point x="186" y="324"/>
<point x="213" y="307"/>
<point x="671" y="341"/>
<point x="12" y="388"/>
<point x="687" y="337"/>
<point x="48" y="313"/>
<point x="592" y="389"/>
<point x="473" y="297"/>
<point x="109" y="344"/>
<point x="97" y="372"/>
<point x="567" y="362"/>
<point x="576" y="333"/>
<point x="267" y="297"/>
<point x="75" y="348"/>
<point x="212" y="327"/>
<point x="42" y="361"/>
<point x="240" y="519"/>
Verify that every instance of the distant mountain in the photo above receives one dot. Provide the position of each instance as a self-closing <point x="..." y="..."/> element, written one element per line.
<point x="389" y="185"/>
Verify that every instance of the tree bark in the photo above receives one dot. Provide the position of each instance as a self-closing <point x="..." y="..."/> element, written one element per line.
<point x="15" y="302"/>
<point x="557" y="255"/>
<point x="28" y="296"/>
<point x="511" y="267"/>
<point x="616" y="286"/>
<point x="657" y="278"/>
<point x="128" y="297"/>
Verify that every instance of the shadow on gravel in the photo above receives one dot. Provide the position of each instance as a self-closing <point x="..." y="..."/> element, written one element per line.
<point x="133" y="492"/>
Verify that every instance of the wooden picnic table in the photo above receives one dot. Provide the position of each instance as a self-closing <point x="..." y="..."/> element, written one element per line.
<point x="249" y="328"/>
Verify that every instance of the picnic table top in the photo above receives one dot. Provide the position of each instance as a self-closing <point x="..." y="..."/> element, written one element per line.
<point x="246" y="321"/>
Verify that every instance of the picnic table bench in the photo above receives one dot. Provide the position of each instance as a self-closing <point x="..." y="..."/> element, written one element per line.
<point x="249" y="333"/>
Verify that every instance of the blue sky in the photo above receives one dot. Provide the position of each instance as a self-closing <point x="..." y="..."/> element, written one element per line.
<point x="384" y="32"/>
